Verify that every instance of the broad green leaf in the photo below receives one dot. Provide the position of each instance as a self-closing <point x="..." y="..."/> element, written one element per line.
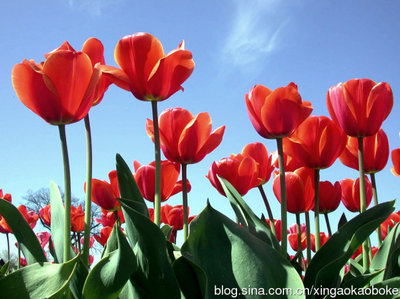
<point x="386" y="289"/>
<point x="342" y="220"/>
<point x="324" y="268"/>
<point x="39" y="281"/>
<point x="112" y="242"/>
<point x="110" y="274"/>
<point x="57" y="222"/>
<point x="154" y="276"/>
<point x="233" y="258"/>
<point x="26" y="238"/>
<point x="167" y="231"/>
<point x="387" y="256"/>
<point x="256" y="226"/>
<point x="128" y="188"/>
<point x="191" y="278"/>
<point x="361" y="280"/>
<point x="4" y="269"/>
<point x="78" y="279"/>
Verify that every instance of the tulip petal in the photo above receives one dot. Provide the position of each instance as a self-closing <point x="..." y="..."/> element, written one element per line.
<point x="212" y="142"/>
<point x="95" y="50"/>
<point x="116" y="76"/>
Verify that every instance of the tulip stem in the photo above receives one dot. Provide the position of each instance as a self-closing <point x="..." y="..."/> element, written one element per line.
<point x="308" y="237"/>
<point x="67" y="194"/>
<point x="269" y="211"/>
<point x="363" y="200"/>
<point x="157" y="194"/>
<point x="19" y="256"/>
<point x="375" y="195"/>
<point x="328" y="225"/>
<point x="88" y="201"/>
<point x="283" y="194"/>
<point x="8" y="247"/>
<point x="316" y="210"/>
<point x="298" y="237"/>
<point x="185" y="202"/>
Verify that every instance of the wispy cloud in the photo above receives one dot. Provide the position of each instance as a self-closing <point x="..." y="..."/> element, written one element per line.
<point x="94" y="7"/>
<point x="255" y="32"/>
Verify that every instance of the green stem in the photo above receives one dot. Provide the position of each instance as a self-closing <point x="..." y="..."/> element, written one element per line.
<point x="19" y="256"/>
<point x="328" y="225"/>
<point x="283" y="194"/>
<point x="298" y="237"/>
<point x="8" y="247"/>
<point x="88" y="201"/>
<point x="157" y="196"/>
<point x="363" y="200"/>
<point x="316" y="210"/>
<point x="185" y="202"/>
<point x="269" y="211"/>
<point x="375" y="195"/>
<point x="308" y="237"/>
<point x="67" y="194"/>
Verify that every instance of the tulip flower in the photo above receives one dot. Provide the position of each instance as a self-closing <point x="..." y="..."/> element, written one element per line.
<point x="291" y="163"/>
<point x="293" y="241"/>
<point x="108" y="218"/>
<point x="30" y="216"/>
<point x="278" y="228"/>
<point x="144" y="177"/>
<point x="104" y="234"/>
<point x="146" y="71"/>
<point x="359" y="106"/>
<point x="173" y="216"/>
<point x="45" y="215"/>
<point x="6" y="196"/>
<point x="185" y="138"/>
<point x="260" y="154"/>
<point x="396" y="162"/>
<point x="105" y="194"/>
<point x="241" y="171"/>
<point x="77" y="219"/>
<point x="322" y="236"/>
<point x="329" y="200"/>
<point x="44" y="238"/>
<point x="351" y="193"/>
<point x="389" y="223"/>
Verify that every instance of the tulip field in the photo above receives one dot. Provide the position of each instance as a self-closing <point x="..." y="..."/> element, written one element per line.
<point x="290" y="228"/>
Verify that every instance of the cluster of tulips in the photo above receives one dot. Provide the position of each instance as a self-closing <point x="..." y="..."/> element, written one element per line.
<point x="141" y="259"/>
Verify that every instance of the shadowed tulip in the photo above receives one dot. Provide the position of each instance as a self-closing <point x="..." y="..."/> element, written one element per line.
<point x="351" y="193"/>
<point x="323" y="238"/>
<point x="105" y="194"/>
<point x="359" y="106"/>
<point x="278" y="228"/>
<point x="376" y="152"/>
<point x="317" y="142"/>
<point x="146" y="71"/>
<point x="77" y="219"/>
<point x="389" y="223"/>
<point x="185" y="138"/>
<point x="45" y="214"/>
<point x="277" y="113"/>
<point x="329" y="196"/>
<point x="396" y="162"/>
<point x="104" y="234"/>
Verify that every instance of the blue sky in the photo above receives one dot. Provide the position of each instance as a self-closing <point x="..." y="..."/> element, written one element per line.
<point x="235" y="45"/>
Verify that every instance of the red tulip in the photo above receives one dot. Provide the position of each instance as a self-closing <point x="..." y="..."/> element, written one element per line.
<point x="299" y="190"/>
<point x="6" y="196"/>
<point x="396" y="162"/>
<point x="104" y="234"/>
<point x="359" y="106"/>
<point x="59" y="90"/>
<point x="45" y="214"/>
<point x="185" y="139"/>
<point x="77" y="219"/>
<point x="105" y="194"/>
<point x="260" y="154"/>
<point x="43" y="238"/>
<point x="322" y="237"/>
<point x="293" y="228"/>
<point x="317" y="142"/>
<point x="145" y="178"/>
<point x="389" y="223"/>
<point x="146" y="71"/>
<point x="329" y="196"/>
<point x="108" y="217"/>
<point x="241" y="171"/>
<point x="173" y="216"/>
<point x="30" y="216"/>
<point x="276" y="114"/>
<point x="376" y="152"/>
<point x="278" y="228"/>
<point x="291" y="163"/>
<point x="293" y="241"/>
<point x="351" y="193"/>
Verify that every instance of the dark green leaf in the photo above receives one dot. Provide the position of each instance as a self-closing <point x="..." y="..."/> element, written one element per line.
<point x="44" y="280"/>
<point x="110" y="274"/>
<point x="257" y="227"/>
<point x="4" y="268"/>
<point x="150" y="250"/>
<point x="361" y="280"/>
<point x="324" y="269"/>
<point x="78" y="279"/>
<point x="342" y="221"/>
<point x="191" y="278"/>
<point x="232" y="257"/>
<point x="26" y="238"/>
<point x="388" y="255"/>
<point x="128" y="188"/>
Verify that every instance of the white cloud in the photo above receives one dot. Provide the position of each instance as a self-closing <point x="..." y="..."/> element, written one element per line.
<point x="255" y="32"/>
<point x="94" y="7"/>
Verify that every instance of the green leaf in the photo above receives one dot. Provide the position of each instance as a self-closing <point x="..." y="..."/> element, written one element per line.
<point x="257" y="227"/>
<point x="154" y="276"/>
<point x="78" y="279"/>
<point x="233" y="258"/>
<point x="57" y="222"/>
<point x="361" y="280"/>
<point x="26" y="238"/>
<point x="388" y="255"/>
<point x="383" y="290"/>
<point x="167" y="231"/>
<point x="342" y="220"/>
<point x="4" y="269"/>
<point x="324" y="268"/>
<point x="45" y="280"/>
<point x="128" y="188"/>
<point x="110" y="274"/>
<point x="191" y="278"/>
